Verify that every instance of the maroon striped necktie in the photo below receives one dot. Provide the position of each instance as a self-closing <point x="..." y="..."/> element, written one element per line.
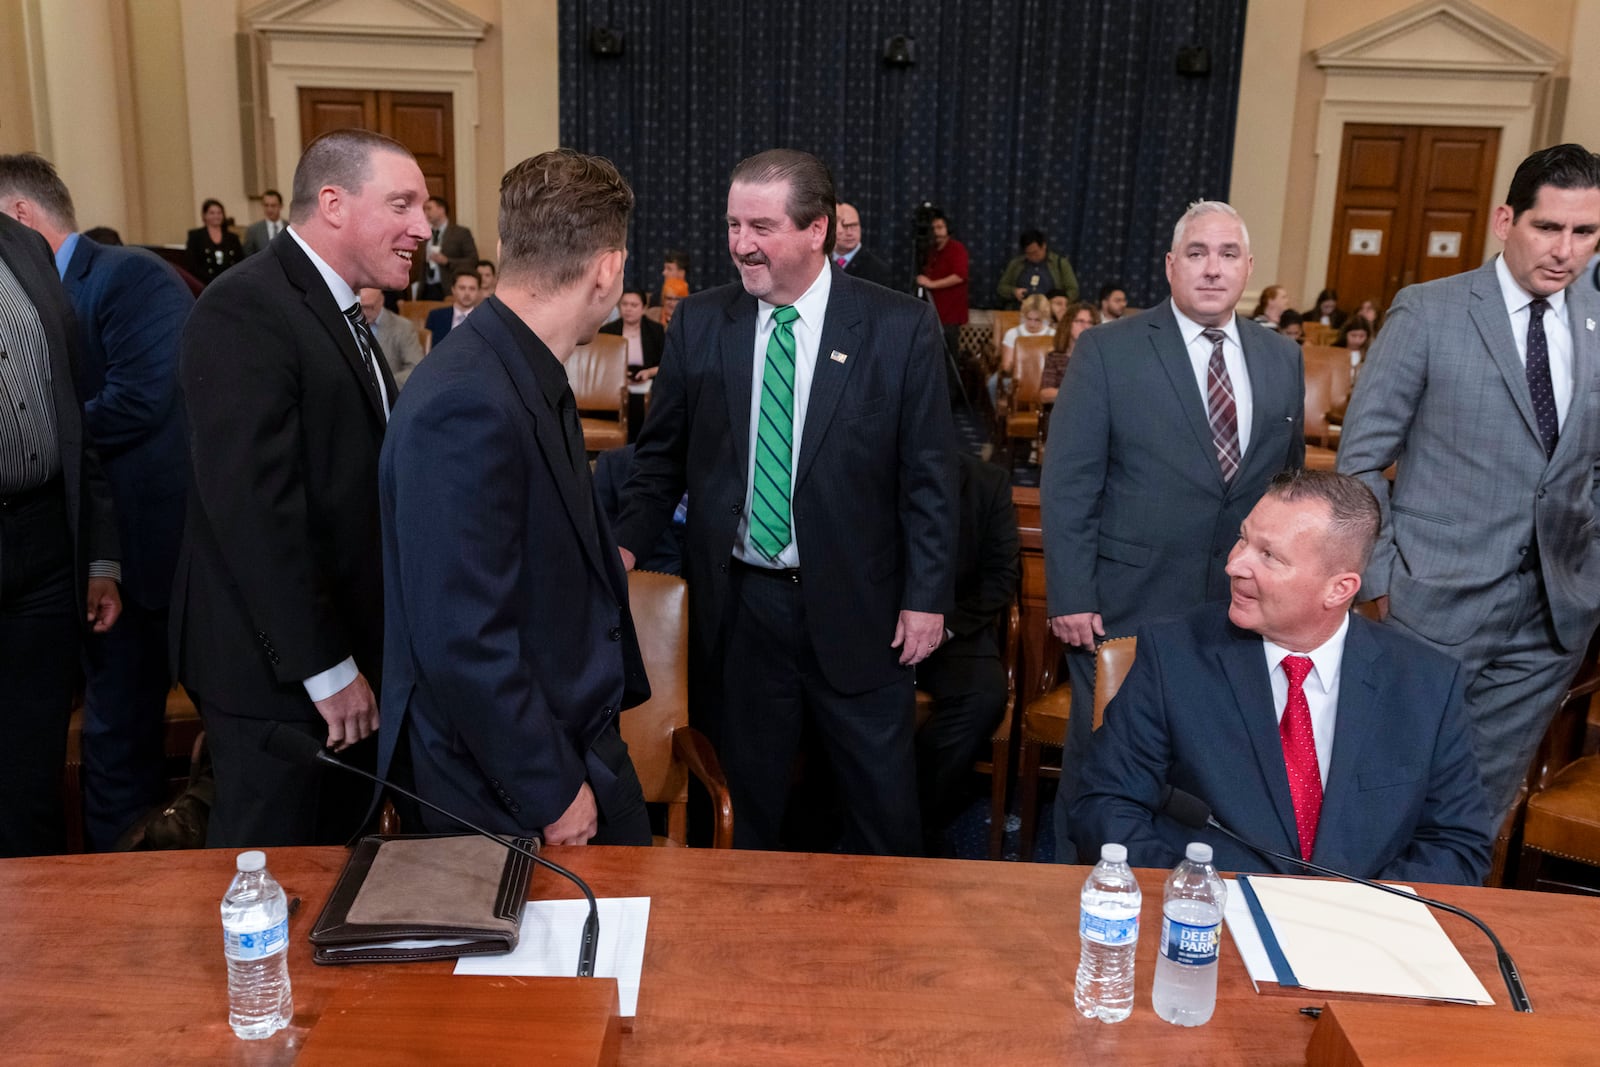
<point x="1220" y="409"/>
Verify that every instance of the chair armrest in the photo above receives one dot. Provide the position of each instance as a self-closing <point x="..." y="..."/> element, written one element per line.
<point x="694" y="749"/>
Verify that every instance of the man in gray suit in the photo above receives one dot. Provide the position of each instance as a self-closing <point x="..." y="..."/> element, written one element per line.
<point x="262" y="231"/>
<point x="1481" y="388"/>
<point x="397" y="335"/>
<point x="1168" y="428"/>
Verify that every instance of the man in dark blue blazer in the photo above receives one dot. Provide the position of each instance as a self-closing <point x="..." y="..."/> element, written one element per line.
<point x="805" y="411"/>
<point x="464" y="297"/>
<point x="131" y="306"/>
<point x="1307" y="729"/>
<point x="510" y="653"/>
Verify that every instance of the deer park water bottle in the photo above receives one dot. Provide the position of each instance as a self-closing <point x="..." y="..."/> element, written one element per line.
<point x="1185" y="989"/>
<point x="1108" y="931"/>
<point x="255" y="939"/>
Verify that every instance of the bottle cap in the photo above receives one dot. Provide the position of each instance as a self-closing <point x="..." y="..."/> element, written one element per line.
<point x="254" y="860"/>
<point x="1111" y="852"/>
<point x="1197" y="852"/>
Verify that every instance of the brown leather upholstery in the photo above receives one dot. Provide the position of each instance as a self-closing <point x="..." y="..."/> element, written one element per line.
<point x="998" y="765"/>
<point x="1318" y="334"/>
<point x="999" y="323"/>
<point x="1320" y="459"/>
<point x="417" y="311"/>
<point x="1558" y="807"/>
<point x="1111" y="662"/>
<point x="1563" y="819"/>
<point x="1327" y="389"/>
<point x="598" y="374"/>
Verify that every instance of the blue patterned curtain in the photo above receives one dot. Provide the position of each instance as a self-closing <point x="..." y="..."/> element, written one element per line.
<point x="1066" y="115"/>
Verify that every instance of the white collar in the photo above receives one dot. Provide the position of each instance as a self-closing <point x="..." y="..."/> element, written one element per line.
<point x="343" y="295"/>
<point x="1325" y="658"/>
<point x="812" y="304"/>
<point x="1517" y="298"/>
<point x="1191" y="329"/>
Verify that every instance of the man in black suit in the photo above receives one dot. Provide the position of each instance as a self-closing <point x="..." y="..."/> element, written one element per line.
<point x="131" y="307"/>
<point x="50" y="485"/>
<point x="805" y="413"/>
<point x="450" y="250"/>
<point x="509" y="657"/>
<point x="854" y="258"/>
<point x="1167" y="429"/>
<point x="278" y="602"/>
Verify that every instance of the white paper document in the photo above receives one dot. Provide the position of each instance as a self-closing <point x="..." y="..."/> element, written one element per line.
<point x="547" y="944"/>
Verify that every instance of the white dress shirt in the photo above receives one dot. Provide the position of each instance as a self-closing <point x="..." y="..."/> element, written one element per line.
<point x="1321" y="688"/>
<point x="1557" y="335"/>
<point x="812" y="306"/>
<point x="1232" y="357"/>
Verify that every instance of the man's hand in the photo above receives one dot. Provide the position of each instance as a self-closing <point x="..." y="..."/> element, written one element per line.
<point x="579" y="823"/>
<point x="1381" y="605"/>
<point x="1022" y="293"/>
<point x="627" y="558"/>
<point x="925" y="281"/>
<point x="439" y="258"/>
<point x="916" y="635"/>
<point x="351" y="714"/>
<point x="104" y="604"/>
<point x="1078" y="631"/>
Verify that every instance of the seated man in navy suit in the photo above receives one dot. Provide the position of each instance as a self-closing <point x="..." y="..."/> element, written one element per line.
<point x="1307" y="729"/>
<point x="465" y="292"/>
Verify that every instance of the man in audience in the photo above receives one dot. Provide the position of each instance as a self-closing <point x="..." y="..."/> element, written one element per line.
<point x="1037" y="270"/>
<point x="1113" y="301"/>
<point x="396" y="334"/>
<point x="1166" y="430"/>
<point x="853" y="258"/>
<point x="509" y="656"/>
<point x="965" y="676"/>
<point x="58" y="542"/>
<point x="1305" y="728"/>
<point x="486" y="279"/>
<point x="450" y="250"/>
<point x="131" y="307"/>
<point x="944" y="276"/>
<point x="278" y="602"/>
<point x="464" y="296"/>
<point x="804" y="413"/>
<point x="1482" y="387"/>
<point x="262" y="231"/>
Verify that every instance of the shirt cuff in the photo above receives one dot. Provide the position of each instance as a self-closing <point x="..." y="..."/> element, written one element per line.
<point x="106" y="568"/>
<point x="324" y="685"/>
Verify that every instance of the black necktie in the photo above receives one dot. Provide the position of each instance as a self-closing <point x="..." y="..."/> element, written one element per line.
<point x="578" y="456"/>
<point x="368" y="345"/>
<point x="1538" y="368"/>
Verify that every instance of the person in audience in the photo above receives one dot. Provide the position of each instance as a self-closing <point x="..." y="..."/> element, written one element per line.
<point x="450" y="250"/>
<point x="510" y="656"/>
<point x="1369" y="311"/>
<point x="278" y="600"/>
<point x="1327" y="310"/>
<point x="944" y="278"/>
<point x="820" y="573"/>
<point x="645" y="340"/>
<point x="261" y="232"/>
<point x="1481" y="388"/>
<point x="486" y="279"/>
<point x="131" y="307"/>
<point x="213" y="247"/>
<point x="58" y="541"/>
<point x="965" y="676"/>
<point x="855" y="259"/>
<point x="672" y="291"/>
<point x="1356" y="334"/>
<point x="1035" y="322"/>
<point x="1306" y="728"/>
<point x="464" y="296"/>
<point x="1036" y="270"/>
<point x="675" y="266"/>
<point x="1059" y="303"/>
<point x="396" y="334"/>
<point x="1113" y="301"/>
<point x="1270" y="308"/>
<point x="1079" y="317"/>
<point x="1168" y="427"/>
<point x="1292" y="326"/>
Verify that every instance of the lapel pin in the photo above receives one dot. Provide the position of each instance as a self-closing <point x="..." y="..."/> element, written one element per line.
<point x="1588" y="324"/>
<point x="840" y="357"/>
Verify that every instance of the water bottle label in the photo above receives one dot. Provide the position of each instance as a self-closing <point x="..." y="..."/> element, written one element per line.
<point x="256" y="945"/>
<point x="1103" y="931"/>
<point x="1194" y="946"/>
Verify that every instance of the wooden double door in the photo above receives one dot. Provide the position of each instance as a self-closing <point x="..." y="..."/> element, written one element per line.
<point x="1413" y="205"/>
<point x="423" y="122"/>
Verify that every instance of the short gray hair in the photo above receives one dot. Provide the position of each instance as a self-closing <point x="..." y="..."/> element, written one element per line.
<point x="342" y="158"/>
<point x="1201" y="208"/>
<point x="1353" y="515"/>
<point x="31" y="175"/>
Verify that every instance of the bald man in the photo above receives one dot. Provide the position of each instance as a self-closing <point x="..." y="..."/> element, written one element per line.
<point x="853" y="258"/>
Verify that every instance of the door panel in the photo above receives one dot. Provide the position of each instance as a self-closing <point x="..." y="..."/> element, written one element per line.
<point x="423" y="122"/>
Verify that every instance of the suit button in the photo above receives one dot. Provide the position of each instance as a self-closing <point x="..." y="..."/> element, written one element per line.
<point x="606" y="712"/>
<point x="723" y="568"/>
<point x="615" y="633"/>
<point x="1541" y="494"/>
<point x="737" y="508"/>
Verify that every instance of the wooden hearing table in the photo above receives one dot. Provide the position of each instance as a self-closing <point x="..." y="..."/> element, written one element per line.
<point x="752" y="958"/>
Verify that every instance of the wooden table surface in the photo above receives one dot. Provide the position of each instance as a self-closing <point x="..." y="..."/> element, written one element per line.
<point x="752" y="958"/>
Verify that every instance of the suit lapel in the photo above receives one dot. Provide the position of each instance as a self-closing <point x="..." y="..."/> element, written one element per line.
<point x="841" y="332"/>
<point x="1585" y="351"/>
<point x="1357" y="722"/>
<point x="1244" y="664"/>
<point x="1167" y="340"/>
<point x="303" y="274"/>
<point x="1259" y="364"/>
<point x="1488" y="313"/>
<point x="737" y="345"/>
<point x="78" y="265"/>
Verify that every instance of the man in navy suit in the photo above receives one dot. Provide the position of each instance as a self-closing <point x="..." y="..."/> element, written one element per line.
<point x="464" y="296"/>
<point x="131" y="306"/>
<point x="508" y="658"/>
<point x="805" y="411"/>
<point x="1307" y="729"/>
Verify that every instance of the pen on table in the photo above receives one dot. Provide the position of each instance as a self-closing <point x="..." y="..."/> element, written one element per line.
<point x="1312" y="1012"/>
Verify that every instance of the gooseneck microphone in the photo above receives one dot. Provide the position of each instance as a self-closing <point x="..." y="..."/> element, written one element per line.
<point x="292" y="746"/>
<point x="1193" y="812"/>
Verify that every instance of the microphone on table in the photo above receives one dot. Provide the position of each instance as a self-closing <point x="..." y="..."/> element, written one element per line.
<point x="292" y="746"/>
<point x="1194" y="813"/>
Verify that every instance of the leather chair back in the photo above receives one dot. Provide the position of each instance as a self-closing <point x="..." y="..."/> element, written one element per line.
<point x="597" y="371"/>
<point x="660" y="606"/>
<point x="1111" y="663"/>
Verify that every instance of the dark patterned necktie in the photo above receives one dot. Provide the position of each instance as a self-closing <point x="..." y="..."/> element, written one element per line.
<point x="368" y="345"/>
<point x="1221" y="411"/>
<point x="1538" y="369"/>
<point x="1300" y="754"/>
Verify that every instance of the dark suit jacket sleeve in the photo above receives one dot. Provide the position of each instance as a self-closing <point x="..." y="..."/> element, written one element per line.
<point x="461" y="498"/>
<point x="928" y="494"/>
<point x="140" y="323"/>
<point x="1127" y="766"/>
<point x="459" y="245"/>
<point x="652" y="338"/>
<point x="657" y="485"/>
<point x="999" y="566"/>
<point x="438" y="323"/>
<point x="1072" y="483"/>
<point x="194" y="252"/>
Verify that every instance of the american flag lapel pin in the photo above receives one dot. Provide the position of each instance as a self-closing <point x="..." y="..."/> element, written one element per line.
<point x="839" y="357"/>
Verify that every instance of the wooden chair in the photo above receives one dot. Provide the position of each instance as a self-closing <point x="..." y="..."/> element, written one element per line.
<point x="1318" y="334"/>
<point x="1327" y="390"/>
<point x="417" y="311"/>
<point x="1559" y="805"/>
<point x="664" y="747"/>
<point x="598" y="374"/>
<point x="1019" y="410"/>
<point x="1000" y="322"/>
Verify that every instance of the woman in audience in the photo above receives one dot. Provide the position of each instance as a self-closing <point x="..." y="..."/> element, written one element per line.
<point x="1081" y="316"/>
<point x="1369" y="311"/>
<point x="1270" y="308"/>
<point x="1035" y="323"/>
<point x="214" y="247"/>
<point x="1292" y="326"/>
<point x="1356" y="336"/>
<point x="1327" y="310"/>
<point x="1059" y="302"/>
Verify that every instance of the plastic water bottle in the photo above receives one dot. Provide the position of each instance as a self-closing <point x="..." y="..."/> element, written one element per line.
<point x="1191" y="930"/>
<point x="1108" y="930"/>
<point x="255" y="939"/>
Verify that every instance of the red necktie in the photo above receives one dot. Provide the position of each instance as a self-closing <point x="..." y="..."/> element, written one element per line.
<point x="843" y="261"/>
<point x="1300" y="754"/>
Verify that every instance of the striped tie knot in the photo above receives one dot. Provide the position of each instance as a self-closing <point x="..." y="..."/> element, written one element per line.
<point x="1214" y="335"/>
<point x="785" y="315"/>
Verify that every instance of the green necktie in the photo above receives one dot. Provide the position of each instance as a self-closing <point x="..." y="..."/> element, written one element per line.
<point x="770" y="530"/>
